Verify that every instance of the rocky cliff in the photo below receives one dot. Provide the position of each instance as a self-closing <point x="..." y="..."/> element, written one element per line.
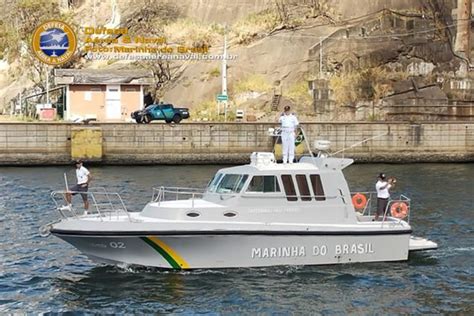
<point x="320" y="56"/>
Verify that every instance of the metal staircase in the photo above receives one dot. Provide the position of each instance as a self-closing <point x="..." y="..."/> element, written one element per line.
<point x="276" y="101"/>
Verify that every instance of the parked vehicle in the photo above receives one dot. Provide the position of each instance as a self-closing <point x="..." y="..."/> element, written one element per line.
<point x="165" y="112"/>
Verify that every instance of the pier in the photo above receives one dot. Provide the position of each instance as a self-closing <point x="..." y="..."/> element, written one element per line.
<point x="226" y="143"/>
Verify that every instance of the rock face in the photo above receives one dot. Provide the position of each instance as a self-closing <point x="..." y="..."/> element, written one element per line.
<point x="291" y="44"/>
<point x="211" y="11"/>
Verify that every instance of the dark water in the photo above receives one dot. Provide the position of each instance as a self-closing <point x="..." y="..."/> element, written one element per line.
<point x="47" y="275"/>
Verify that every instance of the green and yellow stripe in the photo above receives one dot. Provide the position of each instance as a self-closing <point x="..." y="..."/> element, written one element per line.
<point x="173" y="258"/>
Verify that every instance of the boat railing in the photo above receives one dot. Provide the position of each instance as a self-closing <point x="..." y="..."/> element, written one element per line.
<point x="367" y="205"/>
<point x="104" y="204"/>
<point x="399" y="208"/>
<point x="162" y="193"/>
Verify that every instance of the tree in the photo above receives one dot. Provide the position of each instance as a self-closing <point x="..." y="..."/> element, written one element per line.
<point x="17" y="31"/>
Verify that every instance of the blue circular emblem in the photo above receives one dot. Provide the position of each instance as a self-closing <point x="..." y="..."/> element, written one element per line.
<point x="54" y="42"/>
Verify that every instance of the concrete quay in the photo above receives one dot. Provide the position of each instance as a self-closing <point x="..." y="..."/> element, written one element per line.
<point x="226" y="143"/>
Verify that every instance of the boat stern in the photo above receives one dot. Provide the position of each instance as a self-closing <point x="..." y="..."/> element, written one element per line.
<point x="421" y="244"/>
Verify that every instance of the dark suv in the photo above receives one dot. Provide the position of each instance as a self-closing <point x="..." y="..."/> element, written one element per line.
<point x="165" y="112"/>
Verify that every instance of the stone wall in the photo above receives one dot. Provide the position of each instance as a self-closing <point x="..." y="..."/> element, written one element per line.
<point x="198" y="143"/>
<point x="35" y="143"/>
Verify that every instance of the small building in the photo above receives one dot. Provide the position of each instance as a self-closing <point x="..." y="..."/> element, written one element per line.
<point x="102" y="94"/>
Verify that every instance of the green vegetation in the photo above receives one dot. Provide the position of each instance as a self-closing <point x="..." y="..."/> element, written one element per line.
<point x="299" y="93"/>
<point x="373" y="117"/>
<point x="252" y="83"/>
<point x="191" y="33"/>
<point x="151" y="17"/>
<point x="16" y="32"/>
<point x="207" y="111"/>
<point x="254" y="24"/>
<point x="215" y="72"/>
<point x="367" y="84"/>
<point x="17" y="27"/>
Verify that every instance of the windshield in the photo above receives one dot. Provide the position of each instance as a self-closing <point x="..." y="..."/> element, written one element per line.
<point x="227" y="183"/>
<point x="211" y="187"/>
<point x="231" y="183"/>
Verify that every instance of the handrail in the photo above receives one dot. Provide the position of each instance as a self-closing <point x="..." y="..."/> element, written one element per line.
<point x="159" y="195"/>
<point x="162" y="189"/>
<point x="104" y="203"/>
<point x="372" y="198"/>
<point x="402" y="198"/>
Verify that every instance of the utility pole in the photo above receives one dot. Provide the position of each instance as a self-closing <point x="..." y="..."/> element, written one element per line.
<point x="224" y="72"/>
<point x="47" y="86"/>
<point x="21" y="102"/>
<point x="463" y="25"/>
<point x="320" y="58"/>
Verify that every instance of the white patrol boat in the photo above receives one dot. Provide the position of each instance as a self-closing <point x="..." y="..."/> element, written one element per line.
<point x="260" y="214"/>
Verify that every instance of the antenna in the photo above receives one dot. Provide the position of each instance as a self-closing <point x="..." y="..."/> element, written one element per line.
<point x="306" y="142"/>
<point x="65" y="181"/>
<point x="358" y="143"/>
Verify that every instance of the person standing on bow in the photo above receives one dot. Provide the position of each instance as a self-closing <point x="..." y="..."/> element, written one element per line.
<point x="289" y="123"/>
<point x="83" y="179"/>
<point x="382" y="187"/>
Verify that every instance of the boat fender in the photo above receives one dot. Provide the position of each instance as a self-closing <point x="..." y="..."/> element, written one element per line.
<point x="399" y="210"/>
<point x="359" y="200"/>
<point x="45" y="230"/>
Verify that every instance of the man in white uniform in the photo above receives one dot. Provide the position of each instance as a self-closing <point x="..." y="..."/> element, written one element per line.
<point x="83" y="179"/>
<point x="382" y="186"/>
<point x="289" y="123"/>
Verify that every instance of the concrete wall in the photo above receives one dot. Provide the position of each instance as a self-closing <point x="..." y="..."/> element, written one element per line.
<point x="81" y="106"/>
<point x="32" y="144"/>
<point x="50" y="143"/>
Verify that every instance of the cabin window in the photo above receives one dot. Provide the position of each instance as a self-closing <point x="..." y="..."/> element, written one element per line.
<point x="211" y="187"/>
<point x="265" y="184"/>
<point x="317" y="187"/>
<point x="289" y="187"/>
<point x="231" y="183"/>
<point x="303" y="187"/>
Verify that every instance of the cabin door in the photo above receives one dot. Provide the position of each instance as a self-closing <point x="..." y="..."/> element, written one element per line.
<point x="113" y="106"/>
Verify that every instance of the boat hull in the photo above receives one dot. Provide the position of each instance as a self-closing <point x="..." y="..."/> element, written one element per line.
<point x="228" y="251"/>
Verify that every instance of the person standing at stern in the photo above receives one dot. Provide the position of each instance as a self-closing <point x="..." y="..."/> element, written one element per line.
<point x="83" y="179"/>
<point x="382" y="187"/>
<point x="289" y="123"/>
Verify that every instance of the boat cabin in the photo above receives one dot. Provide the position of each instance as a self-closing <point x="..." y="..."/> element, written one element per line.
<point x="312" y="190"/>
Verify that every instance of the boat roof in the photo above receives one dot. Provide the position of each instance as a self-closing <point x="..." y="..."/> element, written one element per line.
<point x="264" y="163"/>
<point x="272" y="168"/>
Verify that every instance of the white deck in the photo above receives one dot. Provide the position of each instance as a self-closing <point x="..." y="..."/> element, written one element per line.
<point x="179" y="204"/>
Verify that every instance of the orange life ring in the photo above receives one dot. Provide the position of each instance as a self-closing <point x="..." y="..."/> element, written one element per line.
<point x="359" y="200"/>
<point x="399" y="210"/>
